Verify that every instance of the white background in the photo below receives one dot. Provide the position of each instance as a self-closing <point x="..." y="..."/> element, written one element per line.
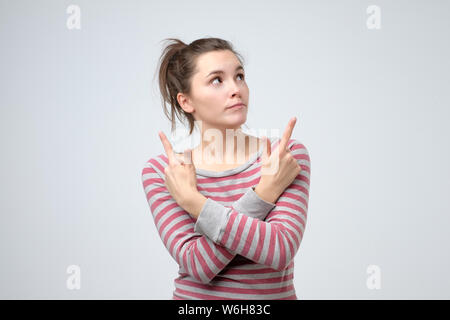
<point x="80" y="114"/>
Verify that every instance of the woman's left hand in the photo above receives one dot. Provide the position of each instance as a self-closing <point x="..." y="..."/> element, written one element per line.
<point x="181" y="179"/>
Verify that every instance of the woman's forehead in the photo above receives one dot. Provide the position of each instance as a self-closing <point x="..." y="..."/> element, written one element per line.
<point x="223" y="60"/>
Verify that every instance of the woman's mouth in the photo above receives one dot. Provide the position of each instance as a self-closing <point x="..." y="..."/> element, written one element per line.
<point x="236" y="106"/>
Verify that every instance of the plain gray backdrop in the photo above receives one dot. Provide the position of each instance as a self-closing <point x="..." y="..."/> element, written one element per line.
<point x="80" y="114"/>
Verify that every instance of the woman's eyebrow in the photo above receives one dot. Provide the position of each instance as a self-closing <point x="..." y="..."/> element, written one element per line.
<point x="221" y="71"/>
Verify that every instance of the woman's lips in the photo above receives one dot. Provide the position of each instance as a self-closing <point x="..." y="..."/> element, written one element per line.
<point x="236" y="107"/>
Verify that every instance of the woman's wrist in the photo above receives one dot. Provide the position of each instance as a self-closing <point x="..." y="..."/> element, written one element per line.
<point x="194" y="203"/>
<point x="265" y="193"/>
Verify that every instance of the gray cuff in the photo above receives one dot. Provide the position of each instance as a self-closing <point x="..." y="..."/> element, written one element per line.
<point x="212" y="219"/>
<point x="252" y="205"/>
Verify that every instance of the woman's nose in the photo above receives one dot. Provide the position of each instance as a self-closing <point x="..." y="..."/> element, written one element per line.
<point x="235" y="88"/>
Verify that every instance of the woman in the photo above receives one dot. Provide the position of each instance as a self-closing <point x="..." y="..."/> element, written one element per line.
<point x="232" y="228"/>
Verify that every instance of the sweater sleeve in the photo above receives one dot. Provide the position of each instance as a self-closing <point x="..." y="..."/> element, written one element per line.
<point x="273" y="242"/>
<point x="195" y="253"/>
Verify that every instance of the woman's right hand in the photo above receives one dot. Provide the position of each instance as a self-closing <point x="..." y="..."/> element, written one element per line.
<point x="278" y="169"/>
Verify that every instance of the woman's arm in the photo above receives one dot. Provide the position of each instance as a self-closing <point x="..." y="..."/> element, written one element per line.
<point x="250" y="203"/>
<point x="196" y="253"/>
<point x="273" y="242"/>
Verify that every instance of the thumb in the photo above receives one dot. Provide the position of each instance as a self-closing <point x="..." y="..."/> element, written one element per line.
<point x="188" y="156"/>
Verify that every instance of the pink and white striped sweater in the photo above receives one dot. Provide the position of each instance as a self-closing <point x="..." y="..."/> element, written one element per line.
<point x="240" y="247"/>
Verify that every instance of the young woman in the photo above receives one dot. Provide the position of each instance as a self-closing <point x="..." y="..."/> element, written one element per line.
<point x="232" y="228"/>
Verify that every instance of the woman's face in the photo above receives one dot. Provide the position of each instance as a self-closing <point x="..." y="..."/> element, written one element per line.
<point x="212" y="93"/>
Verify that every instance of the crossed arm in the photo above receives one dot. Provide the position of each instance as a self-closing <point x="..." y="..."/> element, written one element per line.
<point x="266" y="233"/>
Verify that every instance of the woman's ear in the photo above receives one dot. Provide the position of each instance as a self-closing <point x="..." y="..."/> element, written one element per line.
<point x="185" y="103"/>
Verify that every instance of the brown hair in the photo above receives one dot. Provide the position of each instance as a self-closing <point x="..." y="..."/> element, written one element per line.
<point x="176" y="68"/>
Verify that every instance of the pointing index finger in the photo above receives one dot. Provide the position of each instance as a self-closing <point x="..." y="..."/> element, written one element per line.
<point x="168" y="148"/>
<point x="287" y="134"/>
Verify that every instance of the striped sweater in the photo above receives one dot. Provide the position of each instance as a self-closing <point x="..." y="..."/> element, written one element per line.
<point x="240" y="246"/>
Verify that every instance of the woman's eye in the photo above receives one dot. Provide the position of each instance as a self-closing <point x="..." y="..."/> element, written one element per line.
<point x="240" y="74"/>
